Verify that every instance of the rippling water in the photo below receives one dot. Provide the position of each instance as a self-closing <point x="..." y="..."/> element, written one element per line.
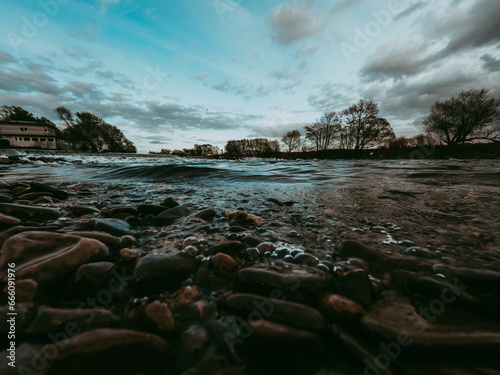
<point x="450" y="206"/>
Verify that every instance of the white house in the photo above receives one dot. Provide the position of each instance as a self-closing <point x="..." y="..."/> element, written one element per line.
<point x="31" y="134"/>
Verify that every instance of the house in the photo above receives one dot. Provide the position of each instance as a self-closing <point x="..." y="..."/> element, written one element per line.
<point x="31" y="134"/>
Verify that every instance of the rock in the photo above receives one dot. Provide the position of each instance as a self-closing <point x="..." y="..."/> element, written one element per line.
<point x="83" y="210"/>
<point x="233" y="248"/>
<point x="193" y="344"/>
<point x="277" y="310"/>
<point x="147" y="209"/>
<point x="341" y="309"/>
<point x="169" y="202"/>
<point x="172" y="215"/>
<point x="35" y="195"/>
<point x="32" y="212"/>
<point x="357" y="285"/>
<point x="417" y="251"/>
<point x="111" y="351"/>
<point x="112" y="242"/>
<point x="47" y="200"/>
<point x="206" y="215"/>
<point x="4" y="185"/>
<point x="243" y="217"/>
<point x="59" y="194"/>
<point x="8" y="221"/>
<point x="265" y="246"/>
<point x="159" y="271"/>
<point x="49" y="320"/>
<point x="471" y="276"/>
<point x="26" y="361"/>
<point x="112" y="211"/>
<point x="307" y="259"/>
<point x="252" y="253"/>
<point x="5" y="161"/>
<point x="277" y="343"/>
<point x="26" y="290"/>
<point x="224" y="264"/>
<point x="237" y="229"/>
<point x="129" y="255"/>
<point x="299" y="285"/>
<point x="6" y="198"/>
<point x="155" y="316"/>
<point x="353" y="249"/>
<point x="189" y="241"/>
<point x="45" y="256"/>
<point x="116" y="227"/>
<point x="93" y="276"/>
<point x="395" y="319"/>
<point x="251" y="241"/>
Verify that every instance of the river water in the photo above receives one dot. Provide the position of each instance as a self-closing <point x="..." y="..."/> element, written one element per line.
<point x="449" y="208"/>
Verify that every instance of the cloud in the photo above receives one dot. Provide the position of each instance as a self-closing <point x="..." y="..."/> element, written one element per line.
<point x="411" y="9"/>
<point x="470" y="28"/>
<point x="344" y="5"/>
<point x="395" y="61"/>
<point x="331" y="97"/>
<point x="490" y="64"/>
<point x="284" y="74"/>
<point x="293" y="22"/>
<point x="6" y="57"/>
<point x="202" y="77"/>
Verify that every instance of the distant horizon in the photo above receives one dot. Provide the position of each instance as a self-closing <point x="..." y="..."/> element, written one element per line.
<point x="182" y="73"/>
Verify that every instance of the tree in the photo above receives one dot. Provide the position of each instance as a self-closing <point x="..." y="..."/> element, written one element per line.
<point x="292" y="140"/>
<point x="324" y="132"/>
<point x="473" y="115"/>
<point x="14" y="113"/>
<point x="92" y="133"/>
<point x="364" y="129"/>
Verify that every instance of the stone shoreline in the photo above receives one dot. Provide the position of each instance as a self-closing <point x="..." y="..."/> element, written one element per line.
<point x="93" y="296"/>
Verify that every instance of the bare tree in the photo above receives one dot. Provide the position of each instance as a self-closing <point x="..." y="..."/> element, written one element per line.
<point x="364" y="129"/>
<point x="324" y="132"/>
<point x="473" y="115"/>
<point x="292" y="140"/>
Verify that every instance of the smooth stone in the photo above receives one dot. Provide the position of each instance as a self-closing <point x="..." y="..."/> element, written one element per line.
<point x="112" y="211"/>
<point x="206" y="215"/>
<point x="299" y="285"/>
<point x="152" y="209"/>
<point x="93" y="276"/>
<point x="155" y="317"/>
<point x="26" y="290"/>
<point x="237" y="229"/>
<point x="417" y="251"/>
<point x="6" y="198"/>
<point x="44" y="199"/>
<point x="172" y="215"/>
<point x="83" y="210"/>
<point x="277" y="342"/>
<point x="58" y="193"/>
<point x="50" y="319"/>
<point x="353" y="249"/>
<point x="35" y="195"/>
<point x="26" y="361"/>
<point x="243" y="217"/>
<point x="251" y="241"/>
<point x="470" y="275"/>
<point x="394" y="315"/>
<point x="155" y="271"/>
<point x="277" y="310"/>
<point x="190" y="250"/>
<point x="112" y="242"/>
<point x="341" y="309"/>
<point x="252" y="253"/>
<point x="169" y="202"/>
<point x="193" y="343"/>
<point x="111" y="351"/>
<point x="5" y="161"/>
<point x="189" y="241"/>
<point x="32" y="212"/>
<point x="129" y="255"/>
<point x="357" y="285"/>
<point x="46" y="256"/>
<point x="224" y="264"/>
<point x="115" y="227"/>
<point x="232" y="248"/>
<point x="9" y="221"/>
<point x="307" y="259"/>
<point x="265" y="246"/>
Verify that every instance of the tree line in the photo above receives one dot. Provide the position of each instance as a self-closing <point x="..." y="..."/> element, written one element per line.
<point x="86" y="131"/>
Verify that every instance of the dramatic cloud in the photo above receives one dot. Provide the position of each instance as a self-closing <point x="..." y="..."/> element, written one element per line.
<point x="6" y="57"/>
<point x="293" y="22"/>
<point x="490" y="63"/>
<point x="331" y="97"/>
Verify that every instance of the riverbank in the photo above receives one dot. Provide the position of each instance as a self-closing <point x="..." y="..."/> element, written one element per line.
<point x="199" y="274"/>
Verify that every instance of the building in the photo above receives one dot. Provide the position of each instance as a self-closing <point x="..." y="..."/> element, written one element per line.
<point x="31" y="134"/>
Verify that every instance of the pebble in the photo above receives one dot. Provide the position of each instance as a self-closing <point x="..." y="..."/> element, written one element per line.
<point x="115" y="227"/>
<point x="172" y="215"/>
<point x="341" y="309"/>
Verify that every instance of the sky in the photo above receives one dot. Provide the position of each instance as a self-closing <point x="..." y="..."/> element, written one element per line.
<point x="173" y="73"/>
